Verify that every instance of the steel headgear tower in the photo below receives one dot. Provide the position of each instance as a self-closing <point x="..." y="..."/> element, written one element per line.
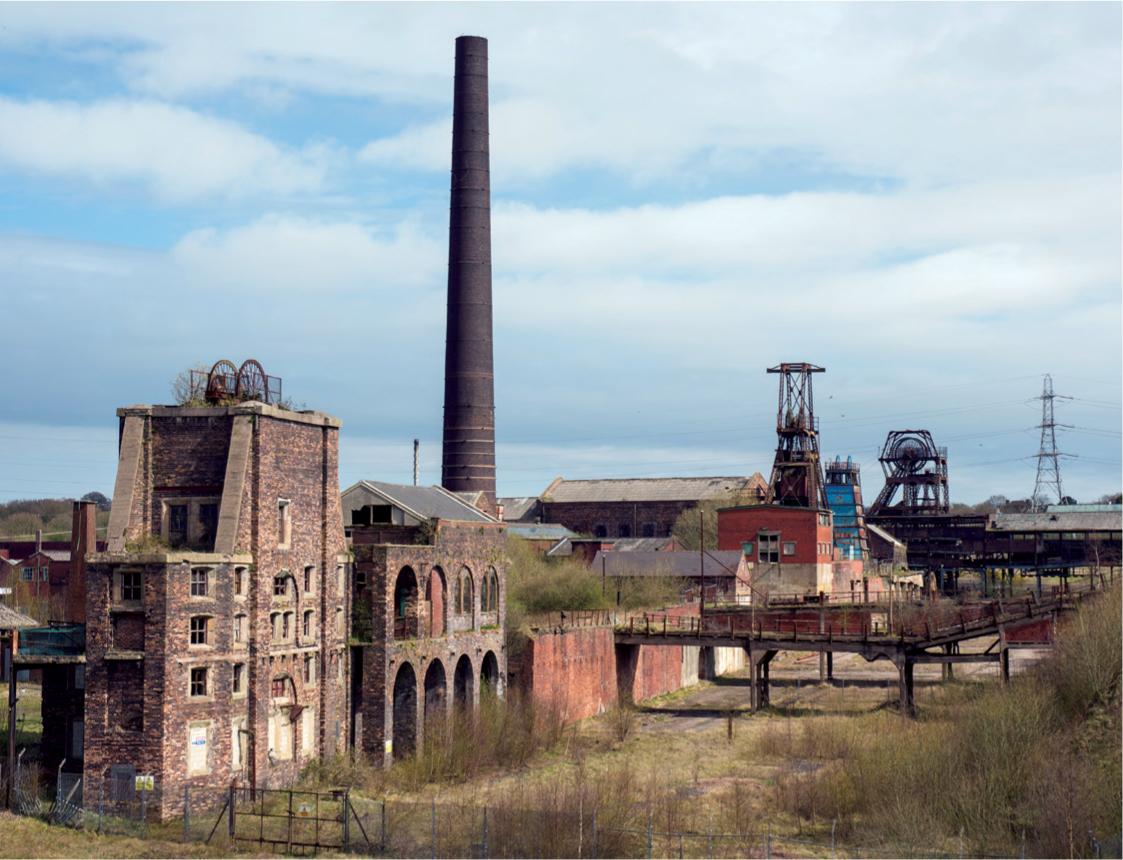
<point x="468" y="454"/>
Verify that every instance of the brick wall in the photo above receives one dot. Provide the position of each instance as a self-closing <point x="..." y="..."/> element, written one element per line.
<point x="584" y="517"/>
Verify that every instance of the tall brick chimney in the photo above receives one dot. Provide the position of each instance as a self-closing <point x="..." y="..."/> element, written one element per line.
<point x="468" y="453"/>
<point x="83" y="539"/>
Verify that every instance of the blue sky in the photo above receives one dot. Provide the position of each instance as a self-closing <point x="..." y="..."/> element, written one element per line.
<point x="924" y="198"/>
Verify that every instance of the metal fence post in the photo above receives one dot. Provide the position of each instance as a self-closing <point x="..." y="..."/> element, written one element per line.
<point x="346" y="820"/>
<point x="231" y="823"/>
<point x="433" y="825"/>
<point x="650" y="834"/>
<point x="382" y="828"/>
<point x="768" y="843"/>
<point x="186" y="812"/>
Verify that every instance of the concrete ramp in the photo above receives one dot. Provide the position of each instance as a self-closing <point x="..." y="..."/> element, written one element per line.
<point x="124" y="490"/>
<point x="237" y="459"/>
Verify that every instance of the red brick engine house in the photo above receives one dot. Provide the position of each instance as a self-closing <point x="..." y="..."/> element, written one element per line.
<point x="215" y="619"/>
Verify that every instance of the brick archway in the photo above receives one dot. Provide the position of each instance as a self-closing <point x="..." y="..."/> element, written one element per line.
<point x="462" y="683"/>
<point x="405" y="712"/>
<point x="436" y="691"/>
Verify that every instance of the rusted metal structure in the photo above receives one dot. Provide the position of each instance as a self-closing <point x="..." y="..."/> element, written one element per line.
<point x="225" y="384"/>
<point x="797" y="473"/>
<point x="468" y="453"/>
<point x="918" y="468"/>
<point x="932" y="635"/>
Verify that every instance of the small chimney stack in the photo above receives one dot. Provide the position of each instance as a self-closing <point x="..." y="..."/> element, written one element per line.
<point x="83" y="540"/>
<point x="468" y="450"/>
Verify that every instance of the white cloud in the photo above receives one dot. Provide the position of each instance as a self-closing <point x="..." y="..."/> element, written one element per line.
<point x="177" y="154"/>
<point x="299" y="254"/>
<point x="929" y="93"/>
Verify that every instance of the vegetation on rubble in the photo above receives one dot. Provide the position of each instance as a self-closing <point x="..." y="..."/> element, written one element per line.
<point x="30" y="837"/>
<point x="1034" y="766"/>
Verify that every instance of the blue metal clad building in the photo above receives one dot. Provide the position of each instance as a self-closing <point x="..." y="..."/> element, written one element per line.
<point x="844" y="498"/>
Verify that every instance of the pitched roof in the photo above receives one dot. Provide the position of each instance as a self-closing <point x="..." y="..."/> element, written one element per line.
<point x="539" y="531"/>
<point x="653" y="544"/>
<point x="716" y="563"/>
<point x="425" y="503"/>
<point x="13" y="619"/>
<point x="515" y="508"/>
<point x="650" y="489"/>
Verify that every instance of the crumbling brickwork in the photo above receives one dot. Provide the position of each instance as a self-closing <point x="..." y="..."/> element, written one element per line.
<point x="431" y="617"/>
<point x="209" y="663"/>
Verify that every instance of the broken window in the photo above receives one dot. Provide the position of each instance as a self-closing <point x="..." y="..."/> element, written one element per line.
<point x="310" y="669"/>
<point x="129" y="590"/>
<point x="307" y="625"/>
<point x="239" y="629"/>
<point x="649" y="530"/>
<point x="240" y="581"/>
<point x="789" y="547"/>
<point x="208" y="524"/>
<point x="199" y="682"/>
<point x="280" y="585"/>
<point x="200" y="582"/>
<point x="199" y="624"/>
<point x="600" y="531"/>
<point x="624" y="530"/>
<point x="768" y="544"/>
<point x="309" y="578"/>
<point x="238" y="679"/>
<point x="177" y="525"/>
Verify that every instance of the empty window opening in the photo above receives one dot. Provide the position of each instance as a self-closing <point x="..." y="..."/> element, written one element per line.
<point x="199" y="682"/>
<point x="199" y="625"/>
<point x="200" y="582"/>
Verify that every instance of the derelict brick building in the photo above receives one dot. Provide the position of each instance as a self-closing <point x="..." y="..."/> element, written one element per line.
<point x="215" y="619"/>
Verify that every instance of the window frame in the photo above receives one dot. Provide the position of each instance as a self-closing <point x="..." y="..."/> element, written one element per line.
<point x="205" y="633"/>
<point x="206" y="583"/>
<point x="205" y="675"/>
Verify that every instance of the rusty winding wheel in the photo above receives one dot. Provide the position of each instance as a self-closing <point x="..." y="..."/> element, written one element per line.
<point x="222" y="381"/>
<point x="252" y="384"/>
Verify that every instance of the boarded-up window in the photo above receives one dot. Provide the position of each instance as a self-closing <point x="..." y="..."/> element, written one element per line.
<point x="198" y="743"/>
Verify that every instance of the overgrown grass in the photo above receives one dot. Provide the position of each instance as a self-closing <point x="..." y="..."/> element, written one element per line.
<point x="1031" y="766"/>
<point x="501" y="735"/>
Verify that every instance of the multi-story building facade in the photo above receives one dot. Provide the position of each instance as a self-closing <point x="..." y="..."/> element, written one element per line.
<point x="216" y="617"/>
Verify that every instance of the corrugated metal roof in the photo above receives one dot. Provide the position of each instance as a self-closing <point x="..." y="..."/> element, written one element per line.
<point x="640" y="544"/>
<point x="539" y="531"/>
<point x="650" y="489"/>
<point x="717" y="563"/>
<point x="1049" y="521"/>
<point x="425" y="502"/>
<point x="57" y="554"/>
<point x="13" y="619"/>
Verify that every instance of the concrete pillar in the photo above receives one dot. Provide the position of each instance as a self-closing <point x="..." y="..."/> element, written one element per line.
<point x="759" y="664"/>
<point x="627" y="662"/>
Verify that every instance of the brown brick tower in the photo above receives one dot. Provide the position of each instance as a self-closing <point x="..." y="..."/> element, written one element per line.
<point x="215" y="620"/>
<point x="468" y="455"/>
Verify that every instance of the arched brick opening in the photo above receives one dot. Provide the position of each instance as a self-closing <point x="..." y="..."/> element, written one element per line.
<point x="462" y="684"/>
<point x="492" y="579"/>
<point x="436" y="686"/>
<point x="405" y="604"/>
<point x="405" y="712"/>
<point x="436" y="592"/>
<point x="706" y="671"/>
<point x="489" y="675"/>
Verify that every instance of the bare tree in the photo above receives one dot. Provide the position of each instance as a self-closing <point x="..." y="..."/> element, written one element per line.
<point x="183" y="392"/>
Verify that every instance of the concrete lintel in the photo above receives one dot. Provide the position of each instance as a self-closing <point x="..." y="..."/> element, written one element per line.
<point x="252" y="407"/>
<point x="170" y="556"/>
